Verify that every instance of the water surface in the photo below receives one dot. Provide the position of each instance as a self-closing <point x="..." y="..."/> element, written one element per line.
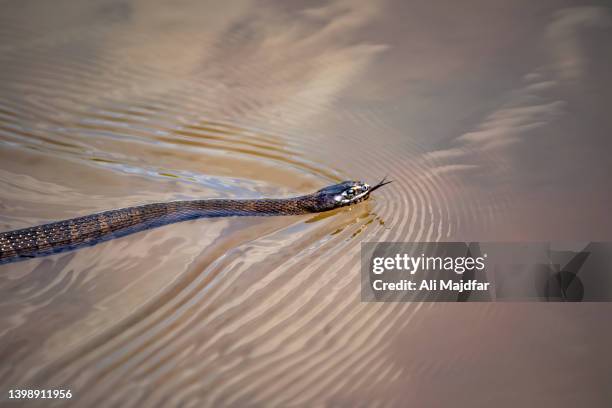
<point x="492" y="118"/>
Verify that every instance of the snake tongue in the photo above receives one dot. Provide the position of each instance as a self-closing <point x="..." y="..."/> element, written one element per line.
<point x="382" y="183"/>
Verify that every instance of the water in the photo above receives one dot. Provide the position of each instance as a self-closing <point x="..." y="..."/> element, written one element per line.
<point x="491" y="119"/>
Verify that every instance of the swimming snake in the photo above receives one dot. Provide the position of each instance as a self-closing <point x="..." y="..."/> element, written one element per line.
<point x="92" y="229"/>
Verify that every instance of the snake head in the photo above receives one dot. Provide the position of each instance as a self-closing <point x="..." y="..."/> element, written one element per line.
<point x="346" y="193"/>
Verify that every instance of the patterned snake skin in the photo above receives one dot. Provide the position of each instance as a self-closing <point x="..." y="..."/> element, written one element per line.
<point x="74" y="233"/>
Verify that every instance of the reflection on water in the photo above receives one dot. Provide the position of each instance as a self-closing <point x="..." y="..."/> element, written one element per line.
<point x="494" y="131"/>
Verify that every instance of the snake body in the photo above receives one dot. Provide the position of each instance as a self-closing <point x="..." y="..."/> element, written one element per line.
<point x="91" y="229"/>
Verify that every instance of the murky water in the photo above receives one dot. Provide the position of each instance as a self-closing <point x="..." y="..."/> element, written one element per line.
<point x="492" y="118"/>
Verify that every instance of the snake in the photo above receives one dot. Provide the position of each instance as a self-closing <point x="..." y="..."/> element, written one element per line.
<point x="88" y="230"/>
